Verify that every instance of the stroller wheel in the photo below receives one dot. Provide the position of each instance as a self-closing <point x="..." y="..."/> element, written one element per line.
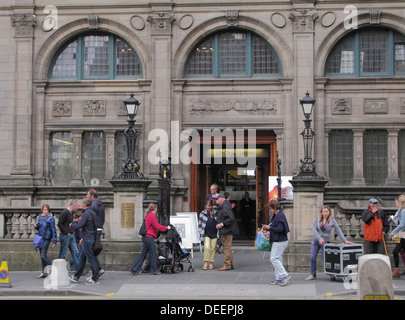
<point x="175" y="268"/>
<point x="190" y="268"/>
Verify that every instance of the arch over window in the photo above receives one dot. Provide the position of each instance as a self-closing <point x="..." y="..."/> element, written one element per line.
<point x="368" y="52"/>
<point x="95" y="56"/>
<point x="233" y="54"/>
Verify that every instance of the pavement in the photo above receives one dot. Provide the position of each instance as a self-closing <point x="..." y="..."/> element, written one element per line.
<point x="249" y="281"/>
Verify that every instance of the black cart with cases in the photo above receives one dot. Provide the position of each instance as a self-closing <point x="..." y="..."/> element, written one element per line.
<point x="342" y="259"/>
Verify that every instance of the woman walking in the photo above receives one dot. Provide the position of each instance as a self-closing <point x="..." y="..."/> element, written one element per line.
<point x="400" y="204"/>
<point x="148" y="241"/>
<point x="322" y="229"/>
<point x="278" y="237"/>
<point x="47" y="230"/>
<point x="208" y="233"/>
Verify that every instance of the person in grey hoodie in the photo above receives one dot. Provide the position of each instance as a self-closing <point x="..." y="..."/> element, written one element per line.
<point x="322" y="229"/>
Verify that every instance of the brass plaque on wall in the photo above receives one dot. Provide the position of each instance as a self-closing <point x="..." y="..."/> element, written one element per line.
<point x="127" y="215"/>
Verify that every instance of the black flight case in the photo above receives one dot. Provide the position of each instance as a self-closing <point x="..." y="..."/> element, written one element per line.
<point x="342" y="259"/>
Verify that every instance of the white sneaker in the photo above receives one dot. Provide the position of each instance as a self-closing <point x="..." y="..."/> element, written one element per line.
<point x="91" y="282"/>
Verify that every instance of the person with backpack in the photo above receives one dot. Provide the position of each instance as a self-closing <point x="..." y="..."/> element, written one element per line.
<point x="148" y="241"/>
<point x="47" y="230"/>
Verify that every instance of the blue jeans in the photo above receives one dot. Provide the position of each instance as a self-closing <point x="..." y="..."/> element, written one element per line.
<point x="276" y="258"/>
<point x="69" y="241"/>
<point x="87" y="253"/>
<point x="314" y="253"/>
<point x="148" y="245"/>
<point x="44" y="251"/>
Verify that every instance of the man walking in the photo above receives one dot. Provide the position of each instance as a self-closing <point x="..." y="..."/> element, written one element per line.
<point x="88" y="226"/>
<point x="66" y="236"/>
<point x="227" y="227"/>
<point x="98" y="207"/>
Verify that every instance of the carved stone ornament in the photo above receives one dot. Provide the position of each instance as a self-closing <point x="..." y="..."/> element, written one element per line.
<point x="93" y="22"/>
<point x="161" y="24"/>
<point x="203" y="107"/>
<point x="23" y="24"/>
<point x="232" y="18"/>
<point x="94" y="108"/>
<point x="62" y="108"/>
<point x="303" y="22"/>
<point x="342" y="106"/>
<point x="375" y="105"/>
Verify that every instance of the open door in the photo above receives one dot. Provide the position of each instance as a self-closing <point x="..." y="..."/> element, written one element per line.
<point x="262" y="196"/>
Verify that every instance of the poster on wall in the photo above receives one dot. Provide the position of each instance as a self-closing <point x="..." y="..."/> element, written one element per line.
<point x="286" y="188"/>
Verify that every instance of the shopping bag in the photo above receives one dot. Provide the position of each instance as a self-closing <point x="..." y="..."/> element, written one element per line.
<point x="263" y="241"/>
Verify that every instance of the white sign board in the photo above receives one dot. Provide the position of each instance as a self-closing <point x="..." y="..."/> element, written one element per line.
<point x="194" y="224"/>
<point x="183" y="227"/>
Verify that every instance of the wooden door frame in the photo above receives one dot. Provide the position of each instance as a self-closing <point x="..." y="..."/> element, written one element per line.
<point x="196" y="187"/>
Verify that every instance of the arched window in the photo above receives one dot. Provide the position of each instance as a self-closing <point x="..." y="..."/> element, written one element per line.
<point x="95" y="56"/>
<point x="233" y="54"/>
<point x="368" y="52"/>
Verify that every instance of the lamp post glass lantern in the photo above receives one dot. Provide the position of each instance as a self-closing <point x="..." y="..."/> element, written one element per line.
<point x="130" y="167"/>
<point x="307" y="167"/>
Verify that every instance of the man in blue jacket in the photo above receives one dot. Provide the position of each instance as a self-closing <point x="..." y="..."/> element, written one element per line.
<point x="89" y="229"/>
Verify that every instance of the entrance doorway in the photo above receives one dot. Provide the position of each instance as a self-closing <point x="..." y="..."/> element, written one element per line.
<point x="240" y="182"/>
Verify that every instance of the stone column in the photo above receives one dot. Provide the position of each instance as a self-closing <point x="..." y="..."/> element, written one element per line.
<point x="303" y="19"/>
<point x="358" y="178"/>
<point x="308" y="200"/>
<point x="128" y="212"/>
<point x="393" y="178"/>
<point x="77" y="179"/>
<point x="24" y="24"/>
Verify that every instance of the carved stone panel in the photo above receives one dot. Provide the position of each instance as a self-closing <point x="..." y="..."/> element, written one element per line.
<point x="205" y="107"/>
<point x="62" y="108"/>
<point x="94" y="108"/>
<point x="375" y="105"/>
<point x="342" y="106"/>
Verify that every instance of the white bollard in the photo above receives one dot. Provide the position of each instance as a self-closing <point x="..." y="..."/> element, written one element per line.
<point x="375" y="278"/>
<point x="58" y="276"/>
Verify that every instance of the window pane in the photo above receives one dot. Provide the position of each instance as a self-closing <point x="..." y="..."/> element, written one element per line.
<point x="233" y="53"/>
<point x="400" y="57"/>
<point x="93" y="159"/>
<point x="126" y="60"/>
<point x="61" y="155"/>
<point x="341" y="157"/>
<point x="264" y="60"/>
<point x="374" y="51"/>
<point x="96" y="56"/>
<point x="201" y="61"/>
<point x="375" y="157"/>
<point x="341" y="59"/>
<point x="65" y="65"/>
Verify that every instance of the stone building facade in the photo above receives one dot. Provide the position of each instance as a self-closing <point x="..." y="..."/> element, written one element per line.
<point x="67" y="66"/>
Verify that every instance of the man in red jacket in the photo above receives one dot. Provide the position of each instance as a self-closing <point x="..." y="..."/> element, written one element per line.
<point x="376" y="225"/>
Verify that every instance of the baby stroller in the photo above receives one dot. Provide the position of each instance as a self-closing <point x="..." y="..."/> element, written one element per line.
<point x="170" y="254"/>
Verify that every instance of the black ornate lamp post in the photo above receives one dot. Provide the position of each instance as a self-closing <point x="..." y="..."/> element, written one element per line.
<point x="307" y="167"/>
<point x="164" y="182"/>
<point x="130" y="168"/>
